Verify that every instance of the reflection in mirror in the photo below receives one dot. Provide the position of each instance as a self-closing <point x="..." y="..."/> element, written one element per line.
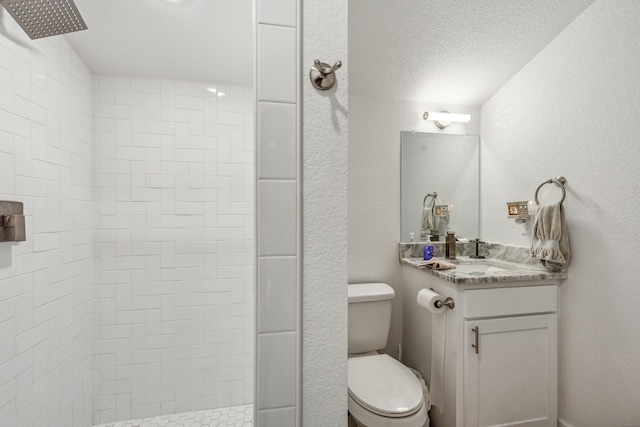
<point x="447" y="165"/>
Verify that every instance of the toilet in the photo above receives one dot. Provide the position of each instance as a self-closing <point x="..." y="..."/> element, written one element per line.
<point x="382" y="391"/>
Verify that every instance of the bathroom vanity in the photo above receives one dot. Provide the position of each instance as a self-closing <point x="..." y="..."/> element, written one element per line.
<point x="501" y="341"/>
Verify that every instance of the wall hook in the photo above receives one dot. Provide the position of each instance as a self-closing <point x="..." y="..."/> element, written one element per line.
<point x="322" y="75"/>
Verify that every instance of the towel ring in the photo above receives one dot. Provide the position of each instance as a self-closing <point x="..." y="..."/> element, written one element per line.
<point x="433" y="199"/>
<point x="559" y="181"/>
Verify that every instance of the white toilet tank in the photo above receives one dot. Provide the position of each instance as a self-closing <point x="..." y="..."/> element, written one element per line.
<point x="369" y="316"/>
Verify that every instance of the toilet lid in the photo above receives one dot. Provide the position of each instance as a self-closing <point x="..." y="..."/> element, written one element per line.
<point x="384" y="386"/>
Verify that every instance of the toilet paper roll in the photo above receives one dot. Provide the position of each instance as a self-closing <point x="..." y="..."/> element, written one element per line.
<point x="428" y="298"/>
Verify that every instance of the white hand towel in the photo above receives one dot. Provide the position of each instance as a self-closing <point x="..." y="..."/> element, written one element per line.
<point x="428" y="222"/>
<point x="550" y="242"/>
<point x="438" y="351"/>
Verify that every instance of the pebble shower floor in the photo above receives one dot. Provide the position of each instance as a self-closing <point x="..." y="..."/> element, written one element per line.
<point x="235" y="416"/>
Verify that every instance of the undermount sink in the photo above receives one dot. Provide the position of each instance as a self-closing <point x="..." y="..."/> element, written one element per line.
<point x="482" y="267"/>
<point x="478" y="269"/>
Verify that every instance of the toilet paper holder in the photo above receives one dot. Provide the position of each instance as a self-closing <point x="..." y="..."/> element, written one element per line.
<point x="448" y="302"/>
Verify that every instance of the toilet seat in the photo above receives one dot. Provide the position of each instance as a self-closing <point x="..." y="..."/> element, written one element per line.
<point x="384" y="386"/>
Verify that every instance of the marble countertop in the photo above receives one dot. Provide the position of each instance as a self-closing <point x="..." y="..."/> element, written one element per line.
<point x="489" y="270"/>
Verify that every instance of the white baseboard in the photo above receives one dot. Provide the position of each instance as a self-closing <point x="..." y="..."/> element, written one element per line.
<point x="563" y="423"/>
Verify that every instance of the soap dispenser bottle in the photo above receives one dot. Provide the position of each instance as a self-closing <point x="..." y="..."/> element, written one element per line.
<point x="450" y="245"/>
<point x="427" y="251"/>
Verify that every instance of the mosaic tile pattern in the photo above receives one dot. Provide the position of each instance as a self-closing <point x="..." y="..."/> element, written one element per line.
<point x="235" y="416"/>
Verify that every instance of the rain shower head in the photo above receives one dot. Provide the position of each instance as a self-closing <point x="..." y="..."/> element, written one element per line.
<point x="44" y="18"/>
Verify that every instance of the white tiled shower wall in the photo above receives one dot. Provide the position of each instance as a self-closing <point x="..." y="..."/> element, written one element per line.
<point x="45" y="282"/>
<point x="278" y="210"/>
<point x="46" y="290"/>
<point x="46" y="287"/>
<point x="174" y="238"/>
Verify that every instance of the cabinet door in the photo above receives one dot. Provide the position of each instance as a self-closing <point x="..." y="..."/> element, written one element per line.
<point x="510" y="371"/>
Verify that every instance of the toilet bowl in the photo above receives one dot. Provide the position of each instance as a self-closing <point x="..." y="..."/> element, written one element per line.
<point x="382" y="391"/>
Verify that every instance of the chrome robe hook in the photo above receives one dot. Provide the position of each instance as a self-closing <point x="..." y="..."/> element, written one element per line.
<point x="322" y="75"/>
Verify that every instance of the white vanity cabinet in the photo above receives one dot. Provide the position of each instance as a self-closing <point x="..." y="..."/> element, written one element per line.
<point x="501" y="349"/>
<point x="509" y="357"/>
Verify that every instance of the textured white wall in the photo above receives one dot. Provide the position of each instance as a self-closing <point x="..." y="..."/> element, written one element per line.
<point x="454" y="51"/>
<point x="573" y="111"/>
<point x="174" y="236"/>
<point x="324" y="148"/>
<point x="374" y="187"/>
<point x="45" y="282"/>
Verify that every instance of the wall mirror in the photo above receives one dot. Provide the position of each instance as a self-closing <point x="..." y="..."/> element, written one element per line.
<point x="449" y="166"/>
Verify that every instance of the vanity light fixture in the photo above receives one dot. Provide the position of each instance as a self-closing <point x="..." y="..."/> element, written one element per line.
<point x="443" y="119"/>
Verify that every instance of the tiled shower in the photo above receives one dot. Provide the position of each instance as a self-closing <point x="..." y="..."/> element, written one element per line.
<point x="133" y="296"/>
<point x="140" y="249"/>
<point x="173" y="222"/>
<point x="46" y="292"/>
